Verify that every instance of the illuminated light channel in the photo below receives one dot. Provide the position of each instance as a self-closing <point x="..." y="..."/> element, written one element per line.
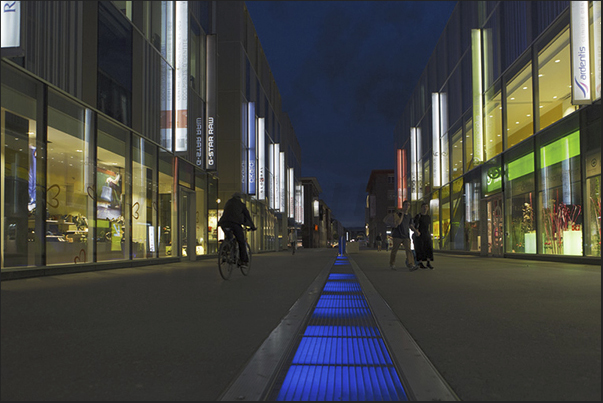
<point x="341" y="355"/>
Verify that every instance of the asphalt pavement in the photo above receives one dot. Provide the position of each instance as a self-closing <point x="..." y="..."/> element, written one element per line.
<point x="495" y="329"/>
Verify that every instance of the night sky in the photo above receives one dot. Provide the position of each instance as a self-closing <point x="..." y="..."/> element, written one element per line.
<point x="345" y="71"/>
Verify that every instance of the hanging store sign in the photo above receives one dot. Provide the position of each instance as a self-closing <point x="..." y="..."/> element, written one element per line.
<point x="261" y="167"/>
<point x="597" y="47"/>
<point x="291" y="187"/>
<point x="11" y="29"/>
<point x="435" y="111"/>
<point x="251" y="138"/>
<point x="282" y="186"/>
<point x="580" y="47"/>
<point x="276" y="204"/>
<point x="199" y="138"/>
<point x="181" y="90"/>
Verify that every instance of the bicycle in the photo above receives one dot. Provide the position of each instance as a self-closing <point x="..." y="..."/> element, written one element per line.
<point x="229" y="256"/>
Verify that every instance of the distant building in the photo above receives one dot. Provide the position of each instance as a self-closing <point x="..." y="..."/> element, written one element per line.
<point x="380" y="200"/>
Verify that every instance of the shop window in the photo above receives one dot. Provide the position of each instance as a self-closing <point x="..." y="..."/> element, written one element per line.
<point x="554" y="85"/>
<point x="144" y="199"/>
<point x="457" y="154"/>
<point x="212" y="215"/>
<point x="445" y="158"/>
<point x="445" y="217"/>
<point x="519" y="107"/>
<point x="472" y="212"/>
<point x="201" y="213"/>
<point x="457" y="216"/>
<point x="426" y="176"/>
<point x="434" y="208"/>
<point x="519" y="204"/>
<point x="493" y="123"/>
<point x="592" y="209"/>
<point x="167" y="233"/>
<point x="492" y="177"/>
<point x="70" y="185"/>
<point x="112" y="239"/>
<point x="20" y="239"/>
<point x="468" y="141"/>
<point x="593" y="215"/>
<point x="560" y="196"/>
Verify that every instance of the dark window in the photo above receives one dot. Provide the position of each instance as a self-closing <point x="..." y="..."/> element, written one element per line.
<point x="114" y="63"/>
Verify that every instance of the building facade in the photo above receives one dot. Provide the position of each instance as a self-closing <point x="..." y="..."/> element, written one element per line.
<point x="113" y="150"/>
<point x="258" y="152"/>
<point x="502" y="135"/>
<point x="380" y="201"/>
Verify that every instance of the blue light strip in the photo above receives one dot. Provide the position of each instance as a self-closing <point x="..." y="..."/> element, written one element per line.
<point x="341" y="355"/>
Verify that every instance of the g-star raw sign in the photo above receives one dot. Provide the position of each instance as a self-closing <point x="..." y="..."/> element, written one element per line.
<point x="211" y="145"/>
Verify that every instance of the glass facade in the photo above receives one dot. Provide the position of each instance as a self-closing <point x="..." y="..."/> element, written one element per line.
<point x="523" y="158"/>
<point x="106" y="189"/>
<point x="112" y="237"/>
<point x="69" y="207"/>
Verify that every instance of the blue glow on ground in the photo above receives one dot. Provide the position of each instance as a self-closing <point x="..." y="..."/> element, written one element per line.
<point x="342" y="351"/>
<point x="342" y="331"/>
<point x="341" y="276"/>
<point x="338" y="359"/>
<point x="341" y="301"/>
<point x="342" y="383"/>
<point x="341" y="286"/>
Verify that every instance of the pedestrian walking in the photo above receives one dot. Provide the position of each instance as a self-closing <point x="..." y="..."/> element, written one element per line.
<point x="401" y="236"/>
<point x="293" y="240"/>
<point x="422" y="238"/>
<point x="378" y="242"/>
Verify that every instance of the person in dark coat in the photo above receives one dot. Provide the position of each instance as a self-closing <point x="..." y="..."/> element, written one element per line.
<point x="234" y="217"/>
<point x="422" y="238"/>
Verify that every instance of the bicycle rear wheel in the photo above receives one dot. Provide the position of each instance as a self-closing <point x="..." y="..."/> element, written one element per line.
<point x="245" y="269"/>
<point x="225" y="261"/>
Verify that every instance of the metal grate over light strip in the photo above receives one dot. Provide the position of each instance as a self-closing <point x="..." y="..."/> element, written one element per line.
<point x="341" y="354"/>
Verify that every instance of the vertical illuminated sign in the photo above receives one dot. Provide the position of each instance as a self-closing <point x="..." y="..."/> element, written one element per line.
<point x="302" y="209"/>
<point x="291" y="187"/>
<point x="597" y="47"/>
<point x="399" y="178"/>
<point x="199" y="140"/>
<point x="11" y="29"/>
<point x="211" y="140"/>
<point x="276" y="166"/>
<point x="261" y="167"/>
<point x="580" y="52"/>
<point x="251" y="138"/>
<point x="476" y="72"/>
<point x="404" y="176"/>
<point x="181" y="75"/>
<point x="282" y="185"/>
<point x="413" y="162"/>
<point x="435" y="155"/>
<point x="418" y="163"/>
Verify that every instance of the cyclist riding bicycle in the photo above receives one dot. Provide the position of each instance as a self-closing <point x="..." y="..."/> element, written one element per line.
<point x="234" y="217"/>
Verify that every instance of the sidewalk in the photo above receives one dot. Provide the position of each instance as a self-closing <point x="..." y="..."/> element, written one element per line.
<point x="495" y="329"/>
<point x="500" y="329"/>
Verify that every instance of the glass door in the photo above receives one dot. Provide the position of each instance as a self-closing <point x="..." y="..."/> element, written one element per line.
<point x="187" y="215"/>
<point x="495" y="226"/>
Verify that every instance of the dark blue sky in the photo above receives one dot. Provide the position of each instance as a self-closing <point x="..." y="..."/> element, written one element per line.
<point x="345" y="71"/>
